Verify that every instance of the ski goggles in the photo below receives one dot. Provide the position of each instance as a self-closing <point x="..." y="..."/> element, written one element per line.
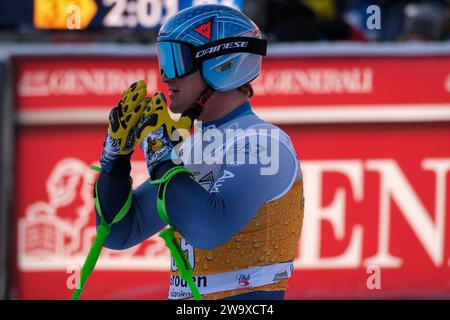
<point x="178" y="59"/>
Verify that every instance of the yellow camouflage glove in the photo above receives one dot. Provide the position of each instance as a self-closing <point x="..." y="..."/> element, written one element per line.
<point x="120" y="139"/>
<point x="155" y="131"/>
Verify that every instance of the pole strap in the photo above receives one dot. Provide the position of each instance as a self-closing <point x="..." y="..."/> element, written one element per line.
<point x="103" y="230"/>
<point x="181" y="261"/>
<point x="163" y="183"/>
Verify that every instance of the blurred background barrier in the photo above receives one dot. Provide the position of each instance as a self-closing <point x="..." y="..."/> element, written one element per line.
<point x="367" y="108"/>
<point x="371" y="126"/>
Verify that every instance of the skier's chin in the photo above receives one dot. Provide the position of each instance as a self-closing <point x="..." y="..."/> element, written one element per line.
<point x="178" y="107"/>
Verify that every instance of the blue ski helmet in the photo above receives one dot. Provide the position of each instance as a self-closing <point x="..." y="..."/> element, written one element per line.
<point x="223" y="43"/>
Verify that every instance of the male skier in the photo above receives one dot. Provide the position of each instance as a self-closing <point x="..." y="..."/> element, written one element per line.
<point x="239" y="222"/>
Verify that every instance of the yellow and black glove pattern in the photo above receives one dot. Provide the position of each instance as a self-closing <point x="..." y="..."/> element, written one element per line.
<point x="157" y="133"/>
<point x="120" y="138"/>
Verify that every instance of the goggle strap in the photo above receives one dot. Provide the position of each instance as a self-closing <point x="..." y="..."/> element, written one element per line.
<point x="230" y="45"/>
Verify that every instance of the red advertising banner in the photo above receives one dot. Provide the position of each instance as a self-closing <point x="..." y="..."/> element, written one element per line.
<point x="295" y="82"/>
<point x="376" y="195"/>
<point x="353" y="81"/>
<point x="55" y="83"/>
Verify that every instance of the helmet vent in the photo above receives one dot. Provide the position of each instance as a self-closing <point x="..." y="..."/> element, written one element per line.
<point x="224" y="66"/>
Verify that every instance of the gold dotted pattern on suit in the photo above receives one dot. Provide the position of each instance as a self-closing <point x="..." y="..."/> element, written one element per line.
<point x="271" y="237"/>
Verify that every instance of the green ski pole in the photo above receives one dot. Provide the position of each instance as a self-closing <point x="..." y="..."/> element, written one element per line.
<point x="168" y="235"/>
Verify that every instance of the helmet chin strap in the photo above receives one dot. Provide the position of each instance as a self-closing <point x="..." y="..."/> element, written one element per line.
<point x="197" y="107"/>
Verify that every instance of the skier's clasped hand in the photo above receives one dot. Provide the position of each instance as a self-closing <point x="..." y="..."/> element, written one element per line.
<point x="157" y="133"/>
<point x="120" y="139"/>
